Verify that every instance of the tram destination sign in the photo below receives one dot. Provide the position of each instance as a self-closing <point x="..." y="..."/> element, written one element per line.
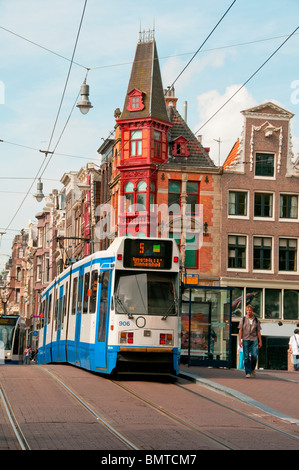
<point x="147" y="254"/>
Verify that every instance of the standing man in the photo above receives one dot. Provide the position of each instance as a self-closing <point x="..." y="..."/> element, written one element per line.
<point x="294" y="348"/>
<point x="250" y="333"/>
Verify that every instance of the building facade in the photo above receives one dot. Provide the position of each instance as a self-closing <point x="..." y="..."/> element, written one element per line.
<point x="259" y="249"/>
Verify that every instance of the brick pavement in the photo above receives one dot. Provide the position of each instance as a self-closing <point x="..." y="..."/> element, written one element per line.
<point x="273" y="390"/>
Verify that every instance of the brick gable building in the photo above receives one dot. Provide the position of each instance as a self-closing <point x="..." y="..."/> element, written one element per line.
<point x="260" y="191"/>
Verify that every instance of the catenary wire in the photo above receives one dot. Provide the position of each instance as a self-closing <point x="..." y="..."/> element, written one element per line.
<point x="55" y="123"/>
<point x="245" y="83"/>
<point x="187" y="65"/>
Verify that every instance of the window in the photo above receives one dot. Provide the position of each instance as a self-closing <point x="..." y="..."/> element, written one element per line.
<point x="49" y="309"/>
<point x="272" y="303"/>
<point x="94" y="291"/>
<point x="180" y="148"/>
<point x="192" y="197"/>
<point x="237" y="251"/>
<point x="262" y="253"/>
<point x="288" y="207"/>
<point x="104" y="281"/>
<point x="263" y="205"/>
<point x="86" y="292"/>
<point x="152" y="195"/>
<point x="157" y="144"/>
<point x="237" y="203"/>
<point x="136" y="143"/>
<point x="174" y="196"/>
<point x="291" y="305"/>
<point x="287" y="254"/>
<point x="129" y="197"/>
<point x="135" y="100"/>
<point x="264" y="164"/>
<point x="254" y="296"/>
<point x="141" y="196"/>
<point x="191" y="250"/>
<point x="74" y="295"/>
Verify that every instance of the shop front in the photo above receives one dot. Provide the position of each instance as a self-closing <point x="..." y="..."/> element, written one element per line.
<point x="205" y="326"/>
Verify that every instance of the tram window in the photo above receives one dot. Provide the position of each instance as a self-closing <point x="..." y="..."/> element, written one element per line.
<point x="74" y="295"/>
<point x="65" y="301"/>
<point x="49" y="309"/>
<point x="86" y="292"/>
<point x="79" y="300"/>
<point x="103" y="305"/>
<point x="16" y="341"/>
<point x="94" y="290"/>
<point x="63" y="310"/>
<point x="56" y="313"/>
<point x="42" y="315"/>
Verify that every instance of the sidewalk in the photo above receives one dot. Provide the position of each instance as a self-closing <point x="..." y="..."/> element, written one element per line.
<point x="273" y="391"/>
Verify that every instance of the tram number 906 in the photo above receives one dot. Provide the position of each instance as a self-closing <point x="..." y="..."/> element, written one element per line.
<point x="124" y="323"/>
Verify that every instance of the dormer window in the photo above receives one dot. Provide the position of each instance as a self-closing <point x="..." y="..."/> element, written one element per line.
<point x="135" y="100"/>
<point x="180" y="148"/>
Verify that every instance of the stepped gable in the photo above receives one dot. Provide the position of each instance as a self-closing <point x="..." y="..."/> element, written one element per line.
<point x="198" y="155"/>
<point x="146" y="77"/>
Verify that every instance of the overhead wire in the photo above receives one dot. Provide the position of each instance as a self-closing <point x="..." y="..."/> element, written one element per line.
<point x="209" y="35"/>
<point x="55" y="123"/>
<point x="248" y="80"/>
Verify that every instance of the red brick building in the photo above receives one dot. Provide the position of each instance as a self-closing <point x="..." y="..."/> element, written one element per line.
<point x="162" y="181"/>
<point x="260" y="222"/>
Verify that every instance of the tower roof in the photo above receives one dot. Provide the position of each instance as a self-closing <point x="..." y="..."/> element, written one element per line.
<point x="146" y="77"/>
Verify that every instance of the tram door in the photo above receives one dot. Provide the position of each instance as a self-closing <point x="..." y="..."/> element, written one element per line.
<point x="58" y="324"/>
<point x="78" y="316"/>
<point x="42" y="355"/>
<point x="103" y="316"/>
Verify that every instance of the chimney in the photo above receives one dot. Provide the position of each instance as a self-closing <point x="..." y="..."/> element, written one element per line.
<point x="185" y="106"/>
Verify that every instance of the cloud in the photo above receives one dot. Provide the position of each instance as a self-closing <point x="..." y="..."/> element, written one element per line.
<point x="227" y="124"/>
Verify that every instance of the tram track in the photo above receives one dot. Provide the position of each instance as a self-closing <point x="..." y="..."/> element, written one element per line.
<point x="207" y="436"/>
<point x="121" y="437"/>
<point x="15" y="426"/>
<point x="223" y="444"/>
<point x="240" y="413"/>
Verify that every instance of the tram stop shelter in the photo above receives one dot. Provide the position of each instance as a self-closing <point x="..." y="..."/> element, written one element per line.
<point x="206" y="325"/>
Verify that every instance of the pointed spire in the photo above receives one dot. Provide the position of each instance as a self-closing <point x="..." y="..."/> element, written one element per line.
<point x="146" y="78"/>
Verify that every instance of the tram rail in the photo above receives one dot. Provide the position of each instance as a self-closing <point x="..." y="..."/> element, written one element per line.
<point x="15" y="426"/>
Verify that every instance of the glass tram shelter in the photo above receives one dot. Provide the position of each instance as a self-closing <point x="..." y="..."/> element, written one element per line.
<point x="205" y="324"/>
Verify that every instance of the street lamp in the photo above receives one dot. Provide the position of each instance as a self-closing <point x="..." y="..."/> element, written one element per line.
<point x="84" y="104"/>
<point x="39" y="196"/>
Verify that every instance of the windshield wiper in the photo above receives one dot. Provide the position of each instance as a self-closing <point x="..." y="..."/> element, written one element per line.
<point x="168" y="310"/>
<point x="119" y="301"/>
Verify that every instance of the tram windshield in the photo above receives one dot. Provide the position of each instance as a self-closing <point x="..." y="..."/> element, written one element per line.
<point x="145" y="294"/>
<point x="6" y="335"/>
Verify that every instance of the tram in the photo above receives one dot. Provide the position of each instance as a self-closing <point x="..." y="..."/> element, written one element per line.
<point x="116" y="310"/>
<point x="12" y="339"/>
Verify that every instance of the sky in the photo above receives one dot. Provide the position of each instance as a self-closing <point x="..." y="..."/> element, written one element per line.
<point x="39" y="84"/>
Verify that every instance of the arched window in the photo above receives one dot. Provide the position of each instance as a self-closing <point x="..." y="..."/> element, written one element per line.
<point x="152" y="196"/>
<point x="129" y="197"/>
<point x="141" y="196"/>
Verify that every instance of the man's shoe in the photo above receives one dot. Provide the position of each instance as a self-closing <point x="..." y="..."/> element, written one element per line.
<point x="253" y="373"/>
<point x="247" y="375"/>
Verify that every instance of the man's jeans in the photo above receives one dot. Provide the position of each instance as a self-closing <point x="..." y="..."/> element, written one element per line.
<point x="250" y="351"/>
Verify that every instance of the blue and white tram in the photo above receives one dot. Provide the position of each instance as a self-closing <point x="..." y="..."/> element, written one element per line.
<point x="116" y="310"/>
<point x="12" y="339"/>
